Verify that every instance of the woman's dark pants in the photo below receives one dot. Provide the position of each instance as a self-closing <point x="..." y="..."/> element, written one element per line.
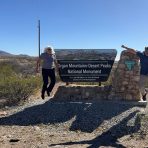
<point x="48" y="73"/>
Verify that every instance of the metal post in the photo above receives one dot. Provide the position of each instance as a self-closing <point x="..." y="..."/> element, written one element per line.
<point x="39" y="36"/>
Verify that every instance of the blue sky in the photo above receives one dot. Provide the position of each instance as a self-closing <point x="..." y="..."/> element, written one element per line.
<point x="100" y="24"/>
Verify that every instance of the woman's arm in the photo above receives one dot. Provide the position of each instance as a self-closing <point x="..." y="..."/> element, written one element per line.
<point x="133" y="51"/>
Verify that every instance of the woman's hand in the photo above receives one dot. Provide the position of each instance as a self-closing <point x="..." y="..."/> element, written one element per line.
<point x="133" y="51"/>
<point x="123" y="46"/>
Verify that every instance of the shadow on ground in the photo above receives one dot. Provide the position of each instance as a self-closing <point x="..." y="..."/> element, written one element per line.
<point x="88" y="117"/>
<point x="110" y="137"/>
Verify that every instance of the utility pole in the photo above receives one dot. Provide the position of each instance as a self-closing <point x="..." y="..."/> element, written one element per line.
<point x="39" y="36"/>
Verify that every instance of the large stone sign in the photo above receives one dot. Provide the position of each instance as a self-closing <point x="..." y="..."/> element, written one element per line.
<point x="85" y="65"/>
<point x="125" y="77"/>
<point x="125" y="83"/>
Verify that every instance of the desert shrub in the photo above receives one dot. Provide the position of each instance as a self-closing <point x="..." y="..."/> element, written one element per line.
<point x="9" y="66"/>
<point x="20" y="66"/>
<point x="15" y="90"/>
<point x="6" y="71"/>
<point x="14" y="87"/>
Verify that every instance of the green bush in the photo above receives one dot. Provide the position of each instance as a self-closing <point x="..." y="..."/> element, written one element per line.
<point x="6" y="71"/>
<point x="14" y="87"/>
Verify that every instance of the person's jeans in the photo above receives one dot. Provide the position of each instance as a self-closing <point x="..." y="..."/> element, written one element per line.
<point x="48" y="73"/>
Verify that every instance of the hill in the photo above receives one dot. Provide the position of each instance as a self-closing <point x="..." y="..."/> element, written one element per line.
<point x="6" y="54"/>
<point x="3" y="53"/>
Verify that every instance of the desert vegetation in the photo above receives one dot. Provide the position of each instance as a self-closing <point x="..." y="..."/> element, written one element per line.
<point x="18" y="80"/>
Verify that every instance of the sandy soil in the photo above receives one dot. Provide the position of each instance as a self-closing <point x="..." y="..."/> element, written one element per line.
<point x="43" y="124"/>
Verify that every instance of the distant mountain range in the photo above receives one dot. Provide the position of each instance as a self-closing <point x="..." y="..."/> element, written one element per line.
<point x="3" y="53"/>
<point x="6" y="54"/>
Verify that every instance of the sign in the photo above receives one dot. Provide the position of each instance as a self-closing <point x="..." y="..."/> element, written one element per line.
<point x="129" y="64"/>
<point x="85" y="65"/>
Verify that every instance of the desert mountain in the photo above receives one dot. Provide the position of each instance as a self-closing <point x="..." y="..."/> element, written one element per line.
<point x="3" y="53"/>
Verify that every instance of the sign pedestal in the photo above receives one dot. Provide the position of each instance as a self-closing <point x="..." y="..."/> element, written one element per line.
<point x="125" y="83"/>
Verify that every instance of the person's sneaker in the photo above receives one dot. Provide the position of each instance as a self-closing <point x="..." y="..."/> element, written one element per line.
<point x="144" y="97"/>
<point x="48" y="93"/>
<point x="42" y="96"/>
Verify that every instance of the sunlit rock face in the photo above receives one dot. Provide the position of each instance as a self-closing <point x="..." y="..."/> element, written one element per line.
<point x="125" y="85"/>
<point x="81" y="92"/>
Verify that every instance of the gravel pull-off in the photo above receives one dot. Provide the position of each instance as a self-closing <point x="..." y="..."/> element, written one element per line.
<point x="44" y="124"/>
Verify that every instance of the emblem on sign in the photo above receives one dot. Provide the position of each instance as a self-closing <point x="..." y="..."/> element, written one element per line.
<point x="130" y="64"/>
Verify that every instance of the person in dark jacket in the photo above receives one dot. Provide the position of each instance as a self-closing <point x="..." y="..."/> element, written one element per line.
<point x="49" y="63"/>
<point x="143" y="56"/>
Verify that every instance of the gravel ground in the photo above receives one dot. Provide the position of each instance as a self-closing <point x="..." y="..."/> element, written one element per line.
<point x="45" y="123"/>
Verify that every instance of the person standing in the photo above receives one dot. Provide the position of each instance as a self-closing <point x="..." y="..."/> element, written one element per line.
<point x="143" y="56"/>
<point x="49" y="63"/>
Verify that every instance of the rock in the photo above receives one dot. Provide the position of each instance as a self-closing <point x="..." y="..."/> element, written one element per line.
<point x="81" y="92"/>
<point x="6" y="107"/>
<point x="129" y="97"/>
<point x="9" y="136"/>
<point x="14" y="140"/>
<point x="3" y="113"/>
<point x="36" y="128"/>
<point x="136" y="78"/>
<point x="125" y="81"/>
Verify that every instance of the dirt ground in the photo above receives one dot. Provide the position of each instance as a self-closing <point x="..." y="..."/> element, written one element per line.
<point x="39" y="137"/>
<point x="44" y="124"/>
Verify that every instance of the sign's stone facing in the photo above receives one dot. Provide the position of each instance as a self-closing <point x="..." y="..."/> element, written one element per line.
<point x="125" y="82"/>
<point x="81" y="92"/>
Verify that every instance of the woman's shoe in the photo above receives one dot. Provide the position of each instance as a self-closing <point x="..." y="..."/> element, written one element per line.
<point x="144" y="97"/>
<point x="42" y="96"/>
<point x="48" y="93"/>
